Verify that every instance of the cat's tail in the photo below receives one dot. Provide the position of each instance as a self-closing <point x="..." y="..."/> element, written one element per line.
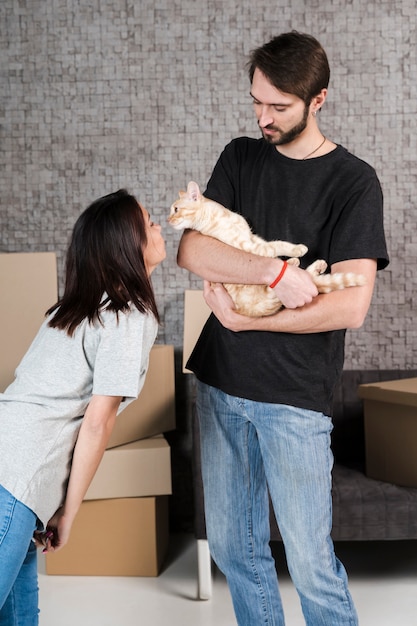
<point x="326" y="283"/>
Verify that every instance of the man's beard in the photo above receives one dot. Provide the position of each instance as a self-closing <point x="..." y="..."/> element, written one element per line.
<point x="289" y="135"/>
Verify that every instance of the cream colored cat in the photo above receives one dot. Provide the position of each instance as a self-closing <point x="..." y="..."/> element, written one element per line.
<point x="192" y="210"/>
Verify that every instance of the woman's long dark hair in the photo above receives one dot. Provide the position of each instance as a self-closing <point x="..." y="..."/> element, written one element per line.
<point x="105" y="256"/>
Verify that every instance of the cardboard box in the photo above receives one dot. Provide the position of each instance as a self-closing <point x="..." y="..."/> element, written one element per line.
<point x="123" y="537"/>
<point x="153" y="412"/>
<point x="28" y="287"/>
<point x="141" y="468"/>
<point x="196" y="313"/>
<point x="390" y="412"/>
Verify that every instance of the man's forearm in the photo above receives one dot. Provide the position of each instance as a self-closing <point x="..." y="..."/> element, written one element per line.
<point x="333" y="311"/>
<point x="218" y="262"/>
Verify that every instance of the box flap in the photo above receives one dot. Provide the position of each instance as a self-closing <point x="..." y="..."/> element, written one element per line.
<point x="402" y="391"/>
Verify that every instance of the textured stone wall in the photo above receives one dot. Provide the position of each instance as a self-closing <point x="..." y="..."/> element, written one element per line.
<point x="144" y="95"/>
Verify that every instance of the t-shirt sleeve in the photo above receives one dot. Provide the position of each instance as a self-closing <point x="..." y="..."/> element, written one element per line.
<point x="359" y="231"/>
<point x="121" y="360"/>
<point x="221" y="187"/>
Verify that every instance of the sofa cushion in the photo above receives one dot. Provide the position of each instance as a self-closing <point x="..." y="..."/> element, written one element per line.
<point x="367" y="509"/>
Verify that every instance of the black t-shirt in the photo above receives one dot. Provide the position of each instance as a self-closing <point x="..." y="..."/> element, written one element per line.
<point x="332" y="204"/>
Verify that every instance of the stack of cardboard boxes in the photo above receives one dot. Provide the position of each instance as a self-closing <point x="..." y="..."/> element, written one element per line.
<point x="122" y="528"/>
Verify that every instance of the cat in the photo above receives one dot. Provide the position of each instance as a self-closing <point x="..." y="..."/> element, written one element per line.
<point x="194" y="211"/>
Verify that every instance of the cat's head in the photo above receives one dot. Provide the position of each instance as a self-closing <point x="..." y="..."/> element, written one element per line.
<point x="183" y="210"/>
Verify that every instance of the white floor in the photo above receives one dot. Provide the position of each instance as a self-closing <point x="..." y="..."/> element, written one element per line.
<point x="383" y="582"/>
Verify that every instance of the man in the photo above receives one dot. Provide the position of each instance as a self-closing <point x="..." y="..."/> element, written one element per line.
<point x="265" y="384"/>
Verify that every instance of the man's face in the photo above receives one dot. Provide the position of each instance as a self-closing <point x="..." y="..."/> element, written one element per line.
<point x="281" y="116"/>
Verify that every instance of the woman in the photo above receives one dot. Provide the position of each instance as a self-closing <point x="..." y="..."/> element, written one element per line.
<point x="87" y="362"/>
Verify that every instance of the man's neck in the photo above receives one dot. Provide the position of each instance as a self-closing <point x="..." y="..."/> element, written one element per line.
<point x="308" y="146"/>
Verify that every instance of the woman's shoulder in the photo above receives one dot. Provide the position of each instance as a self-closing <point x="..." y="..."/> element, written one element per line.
<point x="130" y="318"/>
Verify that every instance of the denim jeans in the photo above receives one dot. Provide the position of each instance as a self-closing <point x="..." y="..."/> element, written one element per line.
<point x="247" y="448"/>
<point x="18" y="563"/>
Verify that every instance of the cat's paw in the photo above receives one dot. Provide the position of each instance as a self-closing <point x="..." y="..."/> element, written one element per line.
<point x="293" y="261"/>
<point x="299" y="250"/>
<point x="318" y="267"/>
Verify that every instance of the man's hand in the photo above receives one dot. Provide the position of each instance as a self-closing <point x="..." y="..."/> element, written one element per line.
<point x="223" y="307"/>
<point x="296" y="288"/>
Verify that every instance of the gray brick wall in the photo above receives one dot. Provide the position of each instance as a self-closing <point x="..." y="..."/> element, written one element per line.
<point x="145" y="94"/>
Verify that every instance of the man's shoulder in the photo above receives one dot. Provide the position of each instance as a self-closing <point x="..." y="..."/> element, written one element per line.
<point x="246" y="150"/>
<point x="247" y="144"/>
<point x="353" y="161"/>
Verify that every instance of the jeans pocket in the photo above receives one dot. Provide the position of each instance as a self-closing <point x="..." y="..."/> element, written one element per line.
<point x="7" y="504"/>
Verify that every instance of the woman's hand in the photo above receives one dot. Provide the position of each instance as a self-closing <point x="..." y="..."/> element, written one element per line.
<point x="56" y="534"/>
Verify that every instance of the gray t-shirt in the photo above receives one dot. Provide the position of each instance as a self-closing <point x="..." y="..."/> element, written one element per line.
<point x="41" y="411"/>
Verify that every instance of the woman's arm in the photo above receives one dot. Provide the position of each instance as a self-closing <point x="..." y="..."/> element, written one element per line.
<point x="220" y="263"/>
<point x="333" y="311"/>
<point x="96" y="428"/>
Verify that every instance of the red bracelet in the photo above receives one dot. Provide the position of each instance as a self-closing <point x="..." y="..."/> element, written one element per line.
<point x="280" y="275"/>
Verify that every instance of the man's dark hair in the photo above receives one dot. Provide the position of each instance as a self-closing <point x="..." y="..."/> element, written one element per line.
<point x="294" y="63"/>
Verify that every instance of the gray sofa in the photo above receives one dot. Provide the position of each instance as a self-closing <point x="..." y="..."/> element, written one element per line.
<point x="363" y="509"/>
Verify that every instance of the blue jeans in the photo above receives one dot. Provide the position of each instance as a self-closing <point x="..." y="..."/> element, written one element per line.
<point x="247" y="448"/>
<point x="18" y="563"/>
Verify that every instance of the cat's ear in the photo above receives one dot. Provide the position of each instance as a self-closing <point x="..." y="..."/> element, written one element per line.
<point x="193" y="191"/>
<point x="182" y="194"/>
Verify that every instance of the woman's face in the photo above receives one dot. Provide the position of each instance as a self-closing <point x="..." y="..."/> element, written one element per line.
<point x="154" y="251"/>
